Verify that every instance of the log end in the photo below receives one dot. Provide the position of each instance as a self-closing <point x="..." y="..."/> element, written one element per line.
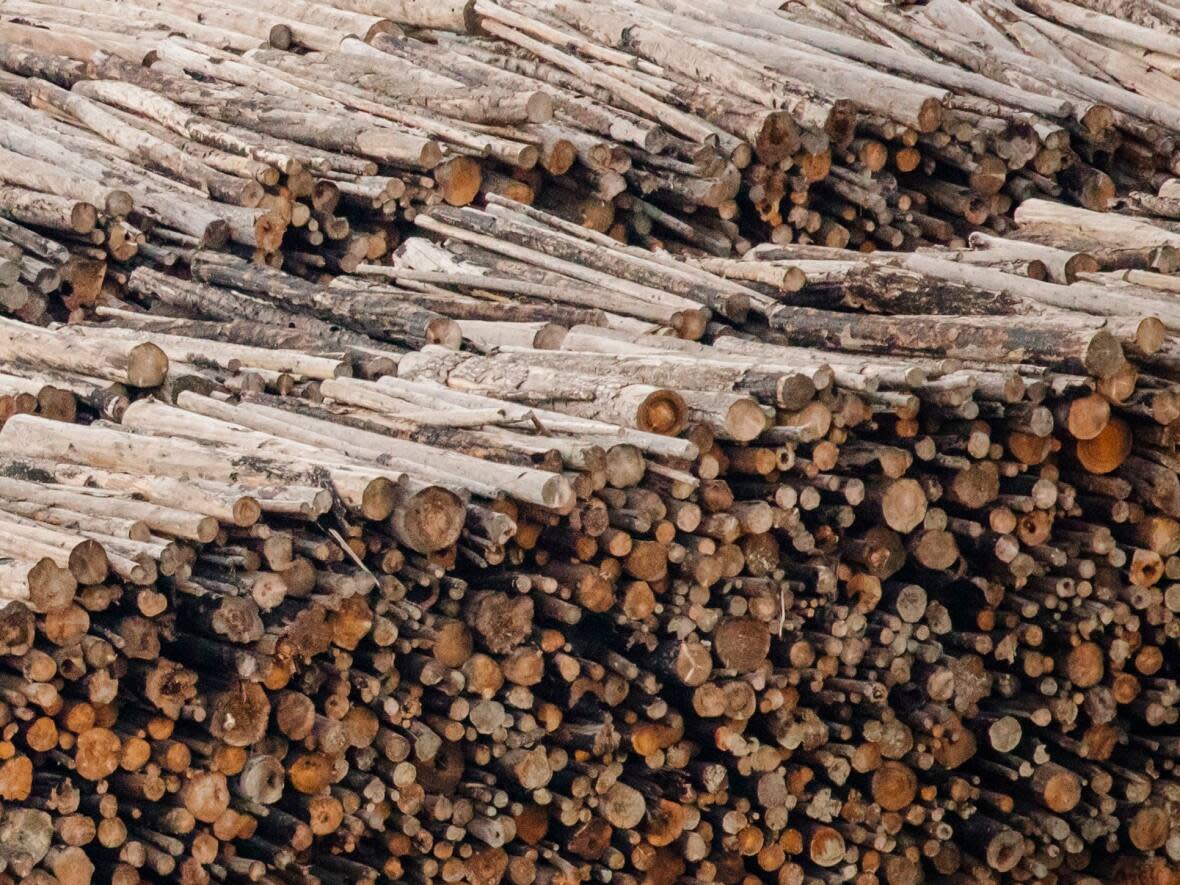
<point x="50" y="587"/>
<point x="663" y="412"/>
<point x="444" y="332"/>
<point x="1108" y="450"/>
<point x="430" y="520"/>
<point x="1104" y="355"/>
<point x="119" y="203"/>
<point x="459" y="180"/>
<point x="929" y="115"/>
<point x="378" y="499"/>
<point x="777" y="138"/>
<point x="83" y="217"/>
<point x="147" y="365"/>
<point x="539" y="107"/>
<point x="745" y="420"/>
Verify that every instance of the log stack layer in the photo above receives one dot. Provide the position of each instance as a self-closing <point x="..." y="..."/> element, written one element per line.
<point x="310" y="127"/>
<point x="350" y="532"/>
<point x="852" y="592"/>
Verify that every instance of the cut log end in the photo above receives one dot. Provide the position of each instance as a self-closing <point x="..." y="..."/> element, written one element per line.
<point x="83" y="218"/>
<point x="445" y="333"/>
<point x="1104" y="355"/>
<point x="1108" y="450"/>
<point x="663" y="412"/>
<point x="904" y="505"/>
<point x="431" y="520"/>
<point x="459" y="180"/>
<point x="119" y="203"/>
<point x="147" y="366"/>
<point x="745" y="420"/>
<point x="1004" y="851"/>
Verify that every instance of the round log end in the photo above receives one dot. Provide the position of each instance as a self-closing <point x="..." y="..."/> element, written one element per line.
<point x="444" y="332"/>
<point x="1150" y="335"/>
<point x="459" y="179"/>
<point x="83" y="217"/>
<point x="745" y="420"/>
<point x="269" y="228"/>
<point x="430" y="520"/>
<point x="894" y="786"/>
<point x="378" y="499"/>
<point x="147" y="365"/>
<point x="929" y="115"/>
<point x="777" y="139"/>
<point x="1109" y="449"/>
<point x="216" y="234"/>
<point x="690" y="324"/>
<point x="1098" y="119"/>
<point x="625" y="466"/>
<point x="88" y="562"/>
<point x="50" y="587"/>
<point x="549" y="337"/>
<point x="262" y="779"/>
<point x="96" y="754"/>
<point x="989" y="175"/>
<point x="741" y="644"/>
<point x="119" y="203"/>
<point x="826" y="846"/>
<point x="539" y="107"/>
<point x="1079" y="263"/>
<point x="1085" y="664"/>
<point x="1087" y="416"/>
<point x="840" y="125"/>
<point x="559" y="157"/>
<point x="937" y="550"/>
<point x="1061" y="790"/>
<point x="239" y="715"/>
<point x="1149" y="828"/>
<point x="280" y="37"/>
<point x="246" y="511"/>
<point x="1004" y="850"/>
<point x="1104" y="355"/>
<point x="904" y="505"/>
<point x="663" y="412"/>
<point x="1004" y="734"/>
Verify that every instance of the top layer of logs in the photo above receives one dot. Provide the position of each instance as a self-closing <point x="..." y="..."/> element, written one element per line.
<point x="711" y="126"/>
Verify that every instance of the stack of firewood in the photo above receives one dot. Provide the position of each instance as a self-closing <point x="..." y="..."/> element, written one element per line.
<point x="339" y="583"/>
<point x="304" y="130"/>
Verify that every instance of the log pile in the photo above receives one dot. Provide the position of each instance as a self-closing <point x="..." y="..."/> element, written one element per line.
<point x="350" y="532"/>
<point x="734" y="571"/>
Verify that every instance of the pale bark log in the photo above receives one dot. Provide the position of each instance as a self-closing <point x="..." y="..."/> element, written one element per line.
<point x="161" y="519"/>
<point x="226" y="502"/>
<point x="137" y="365"/>
<point x="202" y="352"/>
<point x="1104" y="228"/>
<point x="34" y="175"/>
<point x="48" y="210"/>
<point x="538" y="487"/>
<point x="369" y="492"/>
<point x="433" y="395"/>
<point x="443" y="15"/>
<point x="1063" y="265"/>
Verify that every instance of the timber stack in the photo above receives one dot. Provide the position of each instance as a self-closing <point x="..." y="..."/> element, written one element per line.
<point x="442" y="442"/>
<point x="724" y="579"/>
